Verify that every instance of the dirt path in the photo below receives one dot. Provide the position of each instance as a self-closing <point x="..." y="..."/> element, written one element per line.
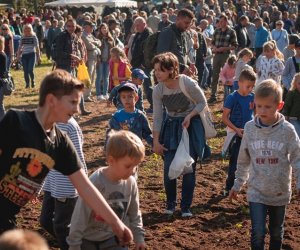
<point x="216" y="224"/>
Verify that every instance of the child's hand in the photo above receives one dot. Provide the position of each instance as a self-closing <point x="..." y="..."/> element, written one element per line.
<point x="186" y="121"/>
<point x="233" y="195"/>
<point x="240" y="132"/>
<point x="159" y="148"/>
<point x="140" y="246"/>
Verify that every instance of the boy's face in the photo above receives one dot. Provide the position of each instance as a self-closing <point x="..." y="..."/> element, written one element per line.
<point x="245" y="87"/>
<point x="137" y="81"/>
<point x="65" y="107"/>
<point x="128" y="99"/>
<point x="124" y="167"/>
<point x="267" y="109"/>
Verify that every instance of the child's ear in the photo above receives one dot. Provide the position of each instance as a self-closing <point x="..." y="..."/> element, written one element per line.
<point x="110" y="160"/>
<point x="280" y="105"/>
<point x="136" y="98"/>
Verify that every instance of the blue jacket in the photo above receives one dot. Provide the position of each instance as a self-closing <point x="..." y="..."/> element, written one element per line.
<point x="135" y="122"/>
<point x="261" y="36"/>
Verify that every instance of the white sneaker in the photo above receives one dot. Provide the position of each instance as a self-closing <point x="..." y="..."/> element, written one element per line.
<point x="106" y="96"/>
<point x="169" y="212"/>
<point x="101" y="98"/>
<point x="186" y="213"/>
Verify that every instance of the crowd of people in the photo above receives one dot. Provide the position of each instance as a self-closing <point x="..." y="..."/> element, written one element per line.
<point x="250" y="50"/>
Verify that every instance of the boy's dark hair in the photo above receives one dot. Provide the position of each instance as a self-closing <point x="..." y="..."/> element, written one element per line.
<point x="231" y="60"/>
<point x="293" y="38"/>
<point x="186" y="13"/>
<point x="167" y="61"/>
<point x="59" y="83"/>
<point x="247" y="75"/>
<point x="269" y="88"/>
<point x="89" y="23"/>
<point x="78" y="29"/>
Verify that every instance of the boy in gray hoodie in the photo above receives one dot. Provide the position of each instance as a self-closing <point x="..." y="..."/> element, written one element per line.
<point x="270" y="146"/>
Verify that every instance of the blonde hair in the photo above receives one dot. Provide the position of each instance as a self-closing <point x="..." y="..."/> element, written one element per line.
<point x="19" y="239"/>
<point x="124" y="143"/>
<point x="118" y="52"/>
<point x="2" y="43"/>
<point x="296" y="79"/>
<point x="271" y="45"/>
<point x="269" y="88"/>
<point x="28" y="26"/>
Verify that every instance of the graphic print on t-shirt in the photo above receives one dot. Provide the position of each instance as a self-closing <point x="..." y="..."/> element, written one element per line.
<point x="25" y="175"/>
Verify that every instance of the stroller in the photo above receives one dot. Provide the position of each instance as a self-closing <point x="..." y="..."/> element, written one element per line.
<point x="16" y="65"/>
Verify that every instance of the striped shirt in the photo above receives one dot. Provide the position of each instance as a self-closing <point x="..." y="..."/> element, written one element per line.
<point x="56" y="183"/>
<point x="28" y="44"/>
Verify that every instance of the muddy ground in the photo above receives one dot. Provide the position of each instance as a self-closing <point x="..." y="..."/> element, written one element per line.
<point x="216" y="224"/>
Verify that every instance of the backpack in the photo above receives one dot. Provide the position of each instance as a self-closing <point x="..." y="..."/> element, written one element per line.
<point x="150" y="49"/>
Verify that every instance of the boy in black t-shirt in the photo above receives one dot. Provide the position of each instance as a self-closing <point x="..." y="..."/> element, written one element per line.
<point x="31" y="144"/>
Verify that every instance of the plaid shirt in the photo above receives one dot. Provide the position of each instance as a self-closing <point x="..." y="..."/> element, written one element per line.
<point x="225" y="38"/>
<point x="74" y="50"/>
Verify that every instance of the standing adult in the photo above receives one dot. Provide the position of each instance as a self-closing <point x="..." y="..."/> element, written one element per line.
<point x="2" y="74"/>
<point x="223" y="41"/>
<point x="261" y="36"/>
<point x="92" y="45"/>
<point x="30" y="51"/>
<point x="174" y="39"/>
<point x="9" y="44"/>
<point x="137" y="53"/>
<point x="165" y="21"/>
<point x="181" y="112"/>
<point x="242" y="34"/>
<point x="280" y="35"/>
<point x="153" y="21"/>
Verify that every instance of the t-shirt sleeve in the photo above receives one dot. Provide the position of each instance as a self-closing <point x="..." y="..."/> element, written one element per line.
<point x="67" y="161"/>
<point x="229" y="102"/>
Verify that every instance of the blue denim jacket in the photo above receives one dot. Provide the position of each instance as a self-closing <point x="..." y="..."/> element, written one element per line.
<point x="135" y="122"/>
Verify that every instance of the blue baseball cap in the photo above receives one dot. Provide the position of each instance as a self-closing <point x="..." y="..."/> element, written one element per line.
<point x="138" y="73"/>
<point x="127" y="86"/>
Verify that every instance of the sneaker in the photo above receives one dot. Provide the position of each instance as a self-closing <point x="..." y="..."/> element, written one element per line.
<point x="88" y="99"/>
<point x="169" y="211"/>
<point x="106" y="96"/>
<point x="212" y="100"/>
<point x="101" y="98"/>
<point x="225" y="192"/>
<point x="186" y="213"/>
<point x="85" y="112"/>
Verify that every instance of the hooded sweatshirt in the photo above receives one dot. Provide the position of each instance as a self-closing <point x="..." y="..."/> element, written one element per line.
<point x="265" y="160"/>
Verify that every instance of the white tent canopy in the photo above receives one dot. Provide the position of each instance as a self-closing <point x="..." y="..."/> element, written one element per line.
<point x="93" y="3"/>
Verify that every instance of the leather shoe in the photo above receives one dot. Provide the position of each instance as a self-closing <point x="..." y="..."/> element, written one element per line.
<point x="84" y="112"/>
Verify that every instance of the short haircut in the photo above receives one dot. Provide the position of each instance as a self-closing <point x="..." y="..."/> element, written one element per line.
<point x="223" y="16"/>
<point x="186" y="13"/>
<point x="78" y="29"/>
<point x="19" y="239"/>
<point x="167" y="61"/>
<point x="243" y="17"/>
<point x="269" y="88"/>
<point x="245" y="52"/>
<point x="247" y="75"/>
<point x="88" y="23"/>
<point x="59" y="83"/>
<point x="124" y="143"/>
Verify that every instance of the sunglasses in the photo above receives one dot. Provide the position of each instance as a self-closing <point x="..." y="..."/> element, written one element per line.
<point x="4" y="29"/>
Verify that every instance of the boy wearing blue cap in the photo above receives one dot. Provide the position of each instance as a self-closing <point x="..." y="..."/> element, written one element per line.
<point x="137" y="76"/>
<point x="129" y="117"/>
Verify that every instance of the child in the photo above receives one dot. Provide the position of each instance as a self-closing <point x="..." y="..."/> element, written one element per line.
<point x="238" y="109"/>
<point x="60" y="196"/>
<point x="290" y="69"/>
<point x="131" y="118"/>
<point x="227" y="75"/>
<point x="119" y="67"/>
<point x="19" y="239"/>
<point x="137" y="76"/>
<point x="270" y="146"/>
<point x="31" y="144"/>
<point x="244" y="56"/>
<point x="118" y="186"/>
<point x="292" y="104"/>
<point x="270" y="66"/>
<point x="289" y="51"/>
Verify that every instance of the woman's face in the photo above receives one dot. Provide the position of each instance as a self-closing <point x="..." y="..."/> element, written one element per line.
<point x="104" y="30"/>
<point x="161" y="75"/>
<point x="27" y="31"/>
<point x="4" y="29"/>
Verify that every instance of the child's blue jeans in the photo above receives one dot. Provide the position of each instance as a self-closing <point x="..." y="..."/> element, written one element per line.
<point x="227" y="90"/>
<point x="258" y="214"/>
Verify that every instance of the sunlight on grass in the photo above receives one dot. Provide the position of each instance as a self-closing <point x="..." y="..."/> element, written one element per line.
<point x="27" y="98"/>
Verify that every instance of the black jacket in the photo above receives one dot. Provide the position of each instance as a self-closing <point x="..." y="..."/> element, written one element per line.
<point x="137" y="48"/>
<point x="242" y="36"/>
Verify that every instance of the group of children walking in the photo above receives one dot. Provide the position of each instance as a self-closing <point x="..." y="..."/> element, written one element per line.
<point x="262" y="144"/>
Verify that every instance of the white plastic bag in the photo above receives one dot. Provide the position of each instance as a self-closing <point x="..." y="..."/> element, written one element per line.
<point x="182" y="162"/>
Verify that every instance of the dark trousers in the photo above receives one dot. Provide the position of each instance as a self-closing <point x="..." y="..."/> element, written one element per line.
<point x="56" y="217"/>
<point x="147" y="85"/>
<point x="218" y="63"/>
<point x="234" y="152"/>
